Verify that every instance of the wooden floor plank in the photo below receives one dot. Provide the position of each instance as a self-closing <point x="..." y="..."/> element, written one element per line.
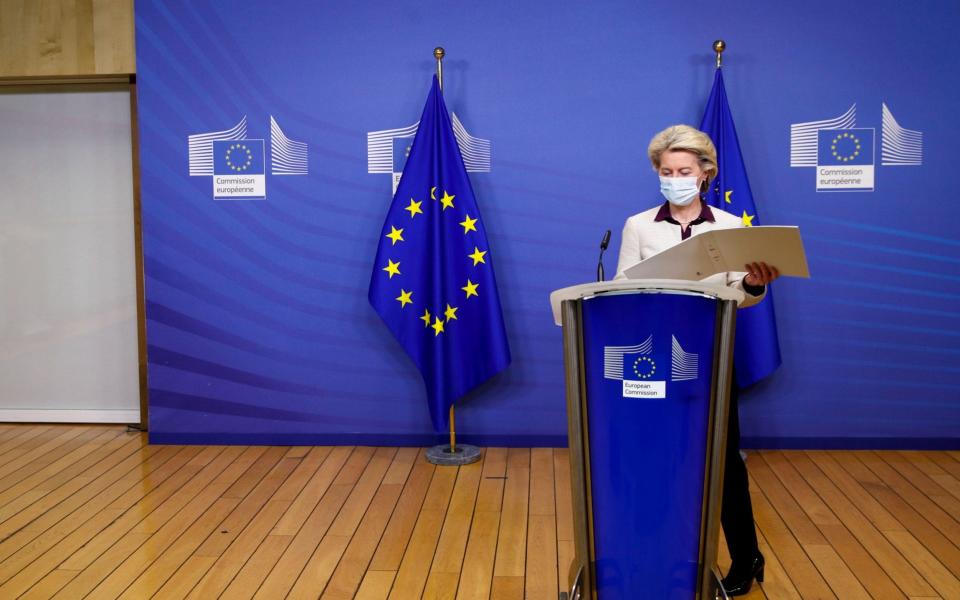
<point x="376" y="585"/>
<point x="477" y="574"/>
<point x="51" y="492"/>
<point x="41" y="526"/>
<point x="805" y="577"/>
<point x="396" y="537"/>
<point x="889" y="559"/>
<point x="415" y="566"/>
<point x="565" y="537"/>
<point x="40" y="457"/>
<point x="74" y="521"/>
<point x="837" y="574"/>
<point x="512" y="538"/>
<point x="353" y="564"/>
<point x="167" y="562"/>
<point x="154" y="577"/>
<point x="507" y="587"/>
<point x="25" y="439"/>
<point x="327" y="499"/>
<point x="440" y="586"/>
<point x="793" y="515"/>
<point x="776" y="583"/>
<point x="933" y="470"/>
<point x="322" y="564"/>
<point x="853" y="488"/>
<point x="47" y="478"/>
<point x="116" y="557"/>
<point x="95" y="511"/>
<point x="912" y="520"/>
<point x="541" y="567"/>
<point x="542" y="576"/>
<point x="939" y="577"/>
<point x="349" y="572"/>
<point x="943" y="460"/>
<point x="915" y="484"/>
<point x="863" y="566"/>
<point x="456" y="525"/>
<point x="308" y="498"/>
<point x="252" y="521"/>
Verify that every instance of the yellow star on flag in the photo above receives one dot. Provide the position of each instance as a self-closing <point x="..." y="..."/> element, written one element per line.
<point x="404" y="298"/>
<point x="426" y="318"/>
<point x="747" y="219"/>
<point x="726" y="196"/>
<point x="477" y="256"/>
<point x="393" y="268"/>
<point x="447" y="200"/>
<point x="396" y="235"/>
<point x="414" y="208"/>
<point x="468" y="224"/>
<point x="437" y="327"/>
<point x="450" y="313"/>
<point x="433" y="193"/>
<point x="471" y="288"/>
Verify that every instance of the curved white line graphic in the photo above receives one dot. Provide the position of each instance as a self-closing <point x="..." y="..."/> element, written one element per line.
<point x="380" y="147"/>
<point x="475" y="151"/>
<point x="899" y="146"/>
<point x="803" y="137"/>
<point x="200" y="146"/>
<point x="685" y="365"/>
<point x="287" y="157"/>
<point x="613" y="357"/>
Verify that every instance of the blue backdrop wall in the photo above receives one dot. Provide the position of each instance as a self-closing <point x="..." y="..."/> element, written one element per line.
<point x="259" y="330"/>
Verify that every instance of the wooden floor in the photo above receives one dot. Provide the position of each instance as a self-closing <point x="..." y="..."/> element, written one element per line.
<point x="93" y="511"/>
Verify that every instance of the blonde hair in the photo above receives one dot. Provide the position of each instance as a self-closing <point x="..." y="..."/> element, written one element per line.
<point x="688" y="139"/>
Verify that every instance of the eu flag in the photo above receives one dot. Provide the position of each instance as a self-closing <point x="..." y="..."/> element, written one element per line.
<point x="432" y="281"/>
<point x="757" y="349"/>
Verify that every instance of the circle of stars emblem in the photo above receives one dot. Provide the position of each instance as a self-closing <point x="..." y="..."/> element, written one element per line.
<point x="239" y="157"/>
<point x="848" y="144"/>
<point x="435" y="323"/>
<point x="644" y="367"/>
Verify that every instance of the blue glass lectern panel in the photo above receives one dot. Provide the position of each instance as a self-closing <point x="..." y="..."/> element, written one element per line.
<point x="648" y="360"/>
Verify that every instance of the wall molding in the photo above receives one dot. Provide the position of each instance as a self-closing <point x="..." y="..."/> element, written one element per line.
<point x="80" y="415"/>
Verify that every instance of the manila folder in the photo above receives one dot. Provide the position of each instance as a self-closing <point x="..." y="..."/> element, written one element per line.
<point x="722" y="250"/>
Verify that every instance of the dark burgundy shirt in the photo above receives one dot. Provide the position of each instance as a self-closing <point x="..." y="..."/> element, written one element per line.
<point x="705" y="215"/>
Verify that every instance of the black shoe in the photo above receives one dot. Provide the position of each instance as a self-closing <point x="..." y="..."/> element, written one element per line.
<point x="740" y="578"/>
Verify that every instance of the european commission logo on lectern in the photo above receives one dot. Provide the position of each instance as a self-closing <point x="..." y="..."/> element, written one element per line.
<point x="637" y="368"/>
<point x="844" y="154"/>
<point x="237" y="163"/>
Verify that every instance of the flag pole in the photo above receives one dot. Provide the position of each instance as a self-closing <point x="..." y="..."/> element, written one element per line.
<point x="450" y="455"/>
<point x="439" y="53"/>
<point x="718" y="46"/>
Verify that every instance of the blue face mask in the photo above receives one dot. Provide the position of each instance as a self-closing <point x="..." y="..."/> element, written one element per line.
<point x="679" y="191"/>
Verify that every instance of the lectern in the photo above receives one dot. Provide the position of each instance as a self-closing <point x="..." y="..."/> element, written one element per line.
<point x="648" y="367"/>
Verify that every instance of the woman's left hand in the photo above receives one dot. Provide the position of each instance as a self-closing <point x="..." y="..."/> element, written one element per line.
<point x="760" y="274"/>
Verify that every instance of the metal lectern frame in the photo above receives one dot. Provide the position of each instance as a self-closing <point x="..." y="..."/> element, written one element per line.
<point x="582" y="576"/>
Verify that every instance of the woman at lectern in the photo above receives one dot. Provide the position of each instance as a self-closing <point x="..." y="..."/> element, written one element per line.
<point x="686" y="161"/>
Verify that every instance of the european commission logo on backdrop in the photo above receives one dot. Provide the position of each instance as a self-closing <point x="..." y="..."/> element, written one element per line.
<point x="388" y="149"/>
<point x="237" y="163"/>
<point x="844" y="154"/>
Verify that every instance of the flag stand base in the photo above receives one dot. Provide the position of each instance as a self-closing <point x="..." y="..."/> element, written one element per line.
<point x="463" y="455"/>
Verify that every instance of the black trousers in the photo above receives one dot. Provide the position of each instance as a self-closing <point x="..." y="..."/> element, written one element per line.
<point x="736" y="512"/>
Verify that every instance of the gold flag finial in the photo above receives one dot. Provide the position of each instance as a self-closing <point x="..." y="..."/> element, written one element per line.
<point x="439" y="53"/>
<point x="719" y="46"/>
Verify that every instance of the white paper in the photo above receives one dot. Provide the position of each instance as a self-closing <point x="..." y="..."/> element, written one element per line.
<point x="722" y="250"/>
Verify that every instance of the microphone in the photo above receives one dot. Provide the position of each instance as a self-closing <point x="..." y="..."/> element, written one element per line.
<point x="603" y="246"/>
